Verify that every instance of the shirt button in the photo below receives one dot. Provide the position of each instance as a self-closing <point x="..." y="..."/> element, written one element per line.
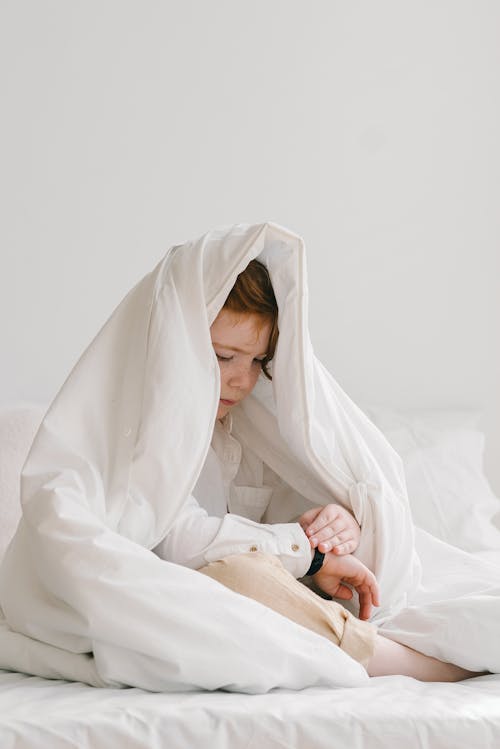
<point x="253" y="548"/>
<point x="295" y="547"/>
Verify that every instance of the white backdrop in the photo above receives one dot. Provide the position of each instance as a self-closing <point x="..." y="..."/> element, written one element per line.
<point x="369" y="128"/>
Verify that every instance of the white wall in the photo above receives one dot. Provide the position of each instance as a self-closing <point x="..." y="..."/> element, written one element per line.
<point x="371" y="128"/>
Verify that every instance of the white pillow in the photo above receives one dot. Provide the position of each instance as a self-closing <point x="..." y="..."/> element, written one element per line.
<point x="18" y="426"/>
<point x="442" y="453"/>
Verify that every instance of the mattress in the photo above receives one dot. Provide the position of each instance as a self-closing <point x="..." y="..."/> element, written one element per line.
<point x="391" y="711"/>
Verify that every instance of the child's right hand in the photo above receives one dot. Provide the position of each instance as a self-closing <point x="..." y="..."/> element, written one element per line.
<point x="338" y="570"/>
<point x="331" y="528"/>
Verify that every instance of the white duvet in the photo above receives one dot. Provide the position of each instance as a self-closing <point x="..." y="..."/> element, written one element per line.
<point x="119" y="451"/>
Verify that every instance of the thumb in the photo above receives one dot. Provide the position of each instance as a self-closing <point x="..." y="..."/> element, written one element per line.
<point x="343" y="592"/>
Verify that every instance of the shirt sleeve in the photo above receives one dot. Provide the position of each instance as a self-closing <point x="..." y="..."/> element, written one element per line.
<point x="196" y="539"/>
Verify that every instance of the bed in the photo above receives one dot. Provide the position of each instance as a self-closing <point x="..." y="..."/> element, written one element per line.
<point x="451" y="499"/>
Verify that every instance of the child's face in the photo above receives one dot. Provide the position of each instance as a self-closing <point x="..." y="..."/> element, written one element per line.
<point x="240" y="348"/>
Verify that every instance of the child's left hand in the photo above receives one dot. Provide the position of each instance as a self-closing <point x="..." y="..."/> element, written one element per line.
<point x="337" y="571"/>
<point x="331" y="528"/>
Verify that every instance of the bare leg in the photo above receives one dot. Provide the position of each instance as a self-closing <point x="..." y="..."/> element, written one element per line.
<point x="263" y="578"/>
<point x="391" y="658"/>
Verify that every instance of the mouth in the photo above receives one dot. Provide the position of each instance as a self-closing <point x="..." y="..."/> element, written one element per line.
<point x="227" y="403"/>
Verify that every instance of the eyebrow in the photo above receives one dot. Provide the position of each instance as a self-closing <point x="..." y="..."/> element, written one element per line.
<point x="235" y="348"/>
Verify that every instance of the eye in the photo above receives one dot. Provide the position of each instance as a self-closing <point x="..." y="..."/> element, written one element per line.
<point x="259" y="361"/>
<point x="223" y="358"/>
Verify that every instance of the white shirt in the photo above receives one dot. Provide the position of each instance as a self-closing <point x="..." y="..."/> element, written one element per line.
<point x="221" y="516"/>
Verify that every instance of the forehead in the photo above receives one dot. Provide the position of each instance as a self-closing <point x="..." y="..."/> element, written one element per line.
<point x="248" y="333"/>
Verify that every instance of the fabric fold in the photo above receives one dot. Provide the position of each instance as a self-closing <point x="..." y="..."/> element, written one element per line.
<point x="119" y="452"/>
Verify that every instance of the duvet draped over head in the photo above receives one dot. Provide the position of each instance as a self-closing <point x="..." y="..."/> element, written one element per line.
<point x="121" y="448"/>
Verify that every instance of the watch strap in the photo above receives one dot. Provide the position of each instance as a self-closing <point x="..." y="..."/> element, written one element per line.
<point x="317" y="562"/>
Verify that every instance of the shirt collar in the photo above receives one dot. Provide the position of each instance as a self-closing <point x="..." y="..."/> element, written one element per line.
<point x="226" y="423"/>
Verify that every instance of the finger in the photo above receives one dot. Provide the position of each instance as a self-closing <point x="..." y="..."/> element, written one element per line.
<point x="333" y="531"/>
<point x="335" y="538"/>
<point x="323" y="546"/>
<point x="365" y="604"/>
<point x="365" y="607"/>
<point x="369" y="596"/>
<point x="309" y="516"/>
<point x="342" y="549"/>
<point x="343" y="592"/>
<point x="373" y="589"/>
<point x="326" y="516"/>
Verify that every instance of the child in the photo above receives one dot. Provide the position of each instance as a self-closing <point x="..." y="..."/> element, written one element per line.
<point x="262" y="561"/>
<point x="166" y="438"/>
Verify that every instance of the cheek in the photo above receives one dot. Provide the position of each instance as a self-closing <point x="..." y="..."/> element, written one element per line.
<point x="255" y="376"/>
<point x="227" y="373"/>
<point x="223" y="373"/>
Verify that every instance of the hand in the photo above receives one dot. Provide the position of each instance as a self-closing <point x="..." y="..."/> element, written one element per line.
<point x="336" y="571"/>
<point x="331" y="528"/>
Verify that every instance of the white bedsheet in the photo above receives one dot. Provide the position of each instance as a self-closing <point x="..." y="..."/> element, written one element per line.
<point x="392" y="712"/>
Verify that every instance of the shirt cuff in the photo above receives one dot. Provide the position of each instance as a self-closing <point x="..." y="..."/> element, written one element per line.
<point x="294" y="547"/>
<point x="287" y="541"/>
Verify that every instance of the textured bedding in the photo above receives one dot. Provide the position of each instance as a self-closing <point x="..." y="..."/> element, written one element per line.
<point x="391" y="712"/>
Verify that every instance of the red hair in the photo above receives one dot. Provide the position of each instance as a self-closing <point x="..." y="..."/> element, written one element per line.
<point x="253" y="294"/>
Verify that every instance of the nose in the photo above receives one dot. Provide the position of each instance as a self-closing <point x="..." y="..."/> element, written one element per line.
<point x="241" y="377"/>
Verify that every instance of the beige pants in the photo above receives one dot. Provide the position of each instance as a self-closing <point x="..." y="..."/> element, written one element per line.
<point x="262" y="577"/>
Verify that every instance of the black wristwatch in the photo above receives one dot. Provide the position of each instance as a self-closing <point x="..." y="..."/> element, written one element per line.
<point x="317" y="562"/>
